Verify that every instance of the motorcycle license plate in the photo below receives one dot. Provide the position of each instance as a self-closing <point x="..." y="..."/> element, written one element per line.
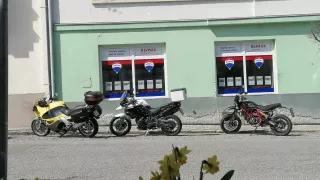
<point x="95" y="112"/>
<point x="181" y="111"/>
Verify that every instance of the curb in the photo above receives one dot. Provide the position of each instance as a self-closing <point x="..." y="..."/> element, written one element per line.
<point x="245" y="131"/>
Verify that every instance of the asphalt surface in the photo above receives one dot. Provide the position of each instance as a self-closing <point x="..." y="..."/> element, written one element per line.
<point x="261" y="156"/>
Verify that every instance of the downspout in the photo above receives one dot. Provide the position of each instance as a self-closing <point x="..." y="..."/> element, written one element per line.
<point x="254" y="8"/>
<point x="45" y="51"/>
<point x="50" y="45"/>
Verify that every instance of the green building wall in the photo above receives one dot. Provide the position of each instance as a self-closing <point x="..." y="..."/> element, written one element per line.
<point x="76" y="55"/>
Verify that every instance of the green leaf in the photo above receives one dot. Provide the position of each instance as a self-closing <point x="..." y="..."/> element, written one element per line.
<point x="212" y="165"/>
<point x="140" y="178"/>
<point x="228" y="175"/>
<point x="184" y="150"/>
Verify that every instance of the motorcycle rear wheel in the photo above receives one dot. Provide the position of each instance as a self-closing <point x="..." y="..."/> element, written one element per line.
<point x="228" y="117"/>
<point x="178" y="123"/>
<point x="278" y="124"/>
<point x="94" y="125"/>
<point x="35" y="129"/>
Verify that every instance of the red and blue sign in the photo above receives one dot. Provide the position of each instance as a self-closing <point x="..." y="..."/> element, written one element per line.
<point x="149" y="66"/>
<point x="229" y="63"/>
<point x="259" y="62"/>
<point x="116" y="67"/>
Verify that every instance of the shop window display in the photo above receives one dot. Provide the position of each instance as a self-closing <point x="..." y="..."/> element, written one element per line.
<point x="149" y="75"/>
<point x="141" y="69"/>
<point x="259" y="73"/>
<point x="252" y="60"/>
<point x="117" y="77"/>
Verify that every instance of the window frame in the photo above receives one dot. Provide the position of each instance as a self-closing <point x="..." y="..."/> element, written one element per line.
<point x="244" y="53"/>
<point x="133" y="57"/>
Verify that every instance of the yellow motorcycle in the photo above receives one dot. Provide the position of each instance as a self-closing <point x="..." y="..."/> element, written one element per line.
<point x="52" y="115"/>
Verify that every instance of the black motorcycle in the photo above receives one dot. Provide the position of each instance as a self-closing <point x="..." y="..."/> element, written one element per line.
<point x="146" y="118"/>
<point x="255" y="115"/>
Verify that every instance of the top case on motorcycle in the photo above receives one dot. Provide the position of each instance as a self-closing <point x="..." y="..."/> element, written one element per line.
<point x="93" y="97"/>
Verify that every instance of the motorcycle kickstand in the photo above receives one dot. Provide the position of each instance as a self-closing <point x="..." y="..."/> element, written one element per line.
<point x="63" y="134"/>
<point x="254" y="130"/>
<point x="67" y="130"/>
<point x="147" y="132"/>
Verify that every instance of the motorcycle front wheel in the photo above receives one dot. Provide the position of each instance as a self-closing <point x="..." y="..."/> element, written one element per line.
<point x="169" y="127"/>
<point x="89" y="129"/>
<point x="228" y="126"/>
<point x="120" y="126"/>
<point x="39" y="128"/>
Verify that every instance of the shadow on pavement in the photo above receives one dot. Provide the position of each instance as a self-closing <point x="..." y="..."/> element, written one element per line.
<point x="264" y="132"/>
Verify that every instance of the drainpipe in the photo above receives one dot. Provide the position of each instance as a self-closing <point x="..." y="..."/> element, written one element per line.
<point x="254" y="8"/>
<point x="50" y="44"/>
<point x="44" y="38"/>
<point x="47" y="45"/>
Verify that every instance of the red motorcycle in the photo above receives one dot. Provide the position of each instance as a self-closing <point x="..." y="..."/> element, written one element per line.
<point x="255" y="115"/>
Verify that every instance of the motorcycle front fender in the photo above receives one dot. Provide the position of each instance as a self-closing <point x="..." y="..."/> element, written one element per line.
<point x="122" y="115"/>
<point x="119" y="108"/>
<point x="229" y="110"/>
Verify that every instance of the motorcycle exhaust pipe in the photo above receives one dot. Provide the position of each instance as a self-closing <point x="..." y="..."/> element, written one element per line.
<point x="65" y="121"/>
<point x="78" y="125"/>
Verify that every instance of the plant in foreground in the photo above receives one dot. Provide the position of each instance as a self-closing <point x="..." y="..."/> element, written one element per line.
<point x="170" y="166"/>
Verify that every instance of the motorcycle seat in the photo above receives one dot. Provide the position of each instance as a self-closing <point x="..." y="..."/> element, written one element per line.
<point x="68" y="111"/>
<point x="269" y="107"/>
<point x="155" y="110"/>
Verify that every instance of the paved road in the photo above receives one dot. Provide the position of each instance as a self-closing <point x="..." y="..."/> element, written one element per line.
<point x="261" y="156"/>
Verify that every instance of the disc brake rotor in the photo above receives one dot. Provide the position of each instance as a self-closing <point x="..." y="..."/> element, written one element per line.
<point x="121" y="125"/>
<point x="231" y="124"/>
<point x="87" y="126"/>
<point x="170" y="124"/>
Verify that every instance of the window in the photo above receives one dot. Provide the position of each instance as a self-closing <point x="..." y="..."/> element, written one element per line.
<point x="245" y="63"/>
<point x="140" y="69"/>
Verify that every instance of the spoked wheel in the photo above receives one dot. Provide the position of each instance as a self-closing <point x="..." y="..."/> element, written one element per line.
<point x="89" y="129"/>
<point x="172" y="125"/>
<point x="39" y="128"/>
<point x="120" y="126"/>
<point x="283" y="125"/>
<point x="230" y="123"/>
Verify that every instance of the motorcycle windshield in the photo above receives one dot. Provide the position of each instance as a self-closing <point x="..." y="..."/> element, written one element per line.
<point x="124" y="95"/>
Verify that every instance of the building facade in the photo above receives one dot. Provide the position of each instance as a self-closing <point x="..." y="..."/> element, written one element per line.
<point x="212" y="48"/>
<point x="28" y="59"/>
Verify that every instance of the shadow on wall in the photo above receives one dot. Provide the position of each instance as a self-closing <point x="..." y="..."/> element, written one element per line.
<point x="22" y="104"/>
<point x="21" y="32"/>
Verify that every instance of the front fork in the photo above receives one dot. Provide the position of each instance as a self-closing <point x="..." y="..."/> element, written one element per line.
<point x="41" y="121"/>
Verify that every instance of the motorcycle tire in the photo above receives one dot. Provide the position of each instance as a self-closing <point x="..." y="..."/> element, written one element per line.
<point x="276" y="120"/>
<point x="95" y="129"/>
<point x="113" y="131"/>
<point x="35" y="131"/>
<point x="227" y="117"/>
<point x="178" y="123"/>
